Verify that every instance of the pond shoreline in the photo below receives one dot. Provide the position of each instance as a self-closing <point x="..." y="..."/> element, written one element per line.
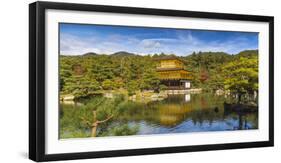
<point x="149" y="95"/>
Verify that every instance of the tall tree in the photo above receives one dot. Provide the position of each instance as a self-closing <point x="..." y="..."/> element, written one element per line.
<point x="241" y="76"/>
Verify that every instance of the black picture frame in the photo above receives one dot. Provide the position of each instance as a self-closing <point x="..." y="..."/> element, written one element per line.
<point x="37" y="80"/>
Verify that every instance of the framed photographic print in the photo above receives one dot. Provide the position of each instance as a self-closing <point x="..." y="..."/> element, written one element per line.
<point x="117" y="81"/>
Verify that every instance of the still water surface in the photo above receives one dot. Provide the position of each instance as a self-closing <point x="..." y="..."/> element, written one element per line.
<point x="183" y="113"/>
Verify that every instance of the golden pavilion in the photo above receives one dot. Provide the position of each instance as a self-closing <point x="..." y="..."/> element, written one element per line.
<point x="171" y="72"/>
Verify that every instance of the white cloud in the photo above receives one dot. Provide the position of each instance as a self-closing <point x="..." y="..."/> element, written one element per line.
<point x="150" y="44"/>
<point x="184" y="43"/>
<point x="72" y="45"/>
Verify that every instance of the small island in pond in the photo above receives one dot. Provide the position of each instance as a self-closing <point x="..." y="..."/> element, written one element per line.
<point x="128" y="93"/>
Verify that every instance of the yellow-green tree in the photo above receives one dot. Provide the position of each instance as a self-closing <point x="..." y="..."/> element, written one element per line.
<point x="241" y="76"/>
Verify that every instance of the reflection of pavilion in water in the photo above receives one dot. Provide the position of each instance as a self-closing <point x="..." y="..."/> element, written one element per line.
<point x="177" y="108"/>
<point x="179" y="97"/>
<point x="196" y="110"/>
<point x="187" y="97"/>
<point x="173" y="114"/>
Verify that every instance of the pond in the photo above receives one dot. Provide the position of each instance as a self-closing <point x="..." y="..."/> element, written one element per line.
<point x="175" y="114"/>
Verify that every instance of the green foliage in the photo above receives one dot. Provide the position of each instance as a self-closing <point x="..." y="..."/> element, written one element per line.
<point x="123" y="130"/>
<point x="132" y="87"/>
<point x="149" y="80"/>
<point x="162" y="87"/>
<point x="107" y="84"/>
<point x="80" y="86"/>
<point x="107" y="72"/>
<point x="241" y="75"/>
<point x="205" y="66"/>
<point x="247" y="54"/>
<point x="74" y="121"/>
<point x="133" y="72"/>
<point x="208" y="67"/>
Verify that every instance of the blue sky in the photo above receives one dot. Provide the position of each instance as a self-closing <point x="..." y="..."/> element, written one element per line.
<point x="77" y="39"/>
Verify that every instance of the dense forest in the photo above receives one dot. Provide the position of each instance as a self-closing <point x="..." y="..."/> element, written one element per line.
<point x="91" y="73"/>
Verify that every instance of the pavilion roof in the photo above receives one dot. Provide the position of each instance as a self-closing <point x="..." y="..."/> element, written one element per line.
<point x="168" y="57"/>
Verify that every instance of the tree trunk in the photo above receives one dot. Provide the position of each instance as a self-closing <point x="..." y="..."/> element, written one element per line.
<point x="239" y="97"/>
<point x="95" y="124"/>
<point x="94" y="131"/>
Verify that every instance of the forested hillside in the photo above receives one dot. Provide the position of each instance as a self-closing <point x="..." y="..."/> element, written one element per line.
<point x="92" y="73"/>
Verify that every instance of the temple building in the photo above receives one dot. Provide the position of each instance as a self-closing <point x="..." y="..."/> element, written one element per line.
<point x="171" y="72"/>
